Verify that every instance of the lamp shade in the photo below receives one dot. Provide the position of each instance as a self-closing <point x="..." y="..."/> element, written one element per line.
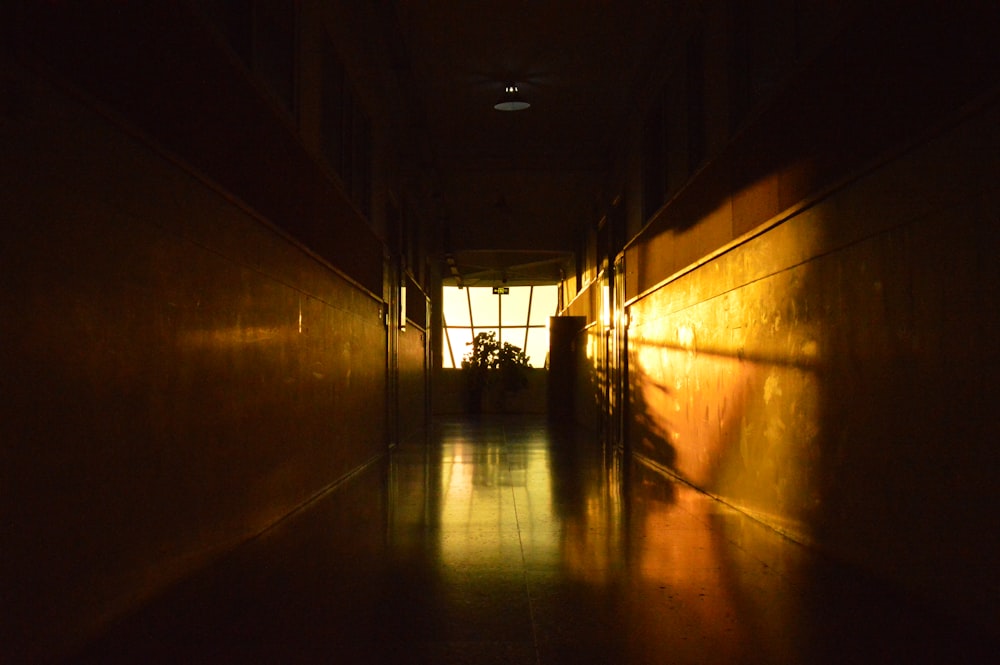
<point x="511" y="100"/>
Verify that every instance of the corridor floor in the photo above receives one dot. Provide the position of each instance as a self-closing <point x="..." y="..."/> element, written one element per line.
<point x="500" y="541"/>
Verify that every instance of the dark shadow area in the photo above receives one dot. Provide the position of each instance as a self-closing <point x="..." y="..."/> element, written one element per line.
<point x="313" y="585"/>
<point x="857" y="618"/>
<point x="844" y="111"/>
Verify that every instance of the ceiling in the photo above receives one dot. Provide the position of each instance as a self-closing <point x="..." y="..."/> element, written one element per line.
<point x="510" y="183"/>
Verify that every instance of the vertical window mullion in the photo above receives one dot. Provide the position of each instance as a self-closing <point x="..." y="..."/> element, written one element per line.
<point x="472" y="322"/>
<point x="527" y="320"/>
<point x="447" y="339"/>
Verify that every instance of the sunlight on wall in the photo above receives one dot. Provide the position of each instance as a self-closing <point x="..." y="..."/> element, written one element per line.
<point x="235" y="336"/>
<point x="725" y="389"/>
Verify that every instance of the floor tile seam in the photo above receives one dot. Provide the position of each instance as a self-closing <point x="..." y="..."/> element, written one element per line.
<point x="524" y="564"/>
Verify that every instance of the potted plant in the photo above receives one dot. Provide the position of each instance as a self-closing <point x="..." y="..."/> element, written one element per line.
<point x="492" y="370"/>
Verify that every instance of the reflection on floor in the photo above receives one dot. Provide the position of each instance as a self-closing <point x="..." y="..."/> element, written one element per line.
<point x="501" y="541"/>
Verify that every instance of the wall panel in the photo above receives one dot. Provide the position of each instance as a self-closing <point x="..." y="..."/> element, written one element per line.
<point x="412" y="384"/>
<point x="176" y="373"/>
<point x="831" y="375"/>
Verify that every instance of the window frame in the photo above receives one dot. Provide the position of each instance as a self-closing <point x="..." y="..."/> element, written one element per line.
<point x="519" y="333"/>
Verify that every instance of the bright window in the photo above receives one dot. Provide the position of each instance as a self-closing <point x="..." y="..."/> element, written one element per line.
<point x="520" y="317"/>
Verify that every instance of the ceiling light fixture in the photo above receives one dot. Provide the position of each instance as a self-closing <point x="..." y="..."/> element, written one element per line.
<point x="511" y="100"/>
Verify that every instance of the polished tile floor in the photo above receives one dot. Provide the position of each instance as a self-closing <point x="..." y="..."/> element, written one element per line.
<point x="502" y="541"/>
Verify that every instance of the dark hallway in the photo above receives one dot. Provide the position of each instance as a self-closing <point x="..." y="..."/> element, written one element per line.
<point x="502" y="541"/>
<point x="744" y="253"/>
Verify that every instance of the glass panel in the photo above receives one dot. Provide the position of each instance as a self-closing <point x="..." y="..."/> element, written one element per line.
<point x="484" y="306"/>
<point x="447" y="351"/>
<point x="455" y="307"/>
<point x="543" y="305"/>
<point x="515" y="309"/>
<point x="514" y="335"/>
<point x="538" y="346"/>
<point x="461" y="343"/>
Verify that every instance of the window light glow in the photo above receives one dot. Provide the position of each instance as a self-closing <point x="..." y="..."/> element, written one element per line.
<point x="520" y="317"/>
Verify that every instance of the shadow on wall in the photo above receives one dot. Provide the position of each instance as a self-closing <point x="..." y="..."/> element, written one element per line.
<point x="649" y="435"/>
<point x="714" y="415"/>
<point x="832" y="377"/>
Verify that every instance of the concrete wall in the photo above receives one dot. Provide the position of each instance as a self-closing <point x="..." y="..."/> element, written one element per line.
<point x="834" y="375"/>
<point x="176" y="372"/>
